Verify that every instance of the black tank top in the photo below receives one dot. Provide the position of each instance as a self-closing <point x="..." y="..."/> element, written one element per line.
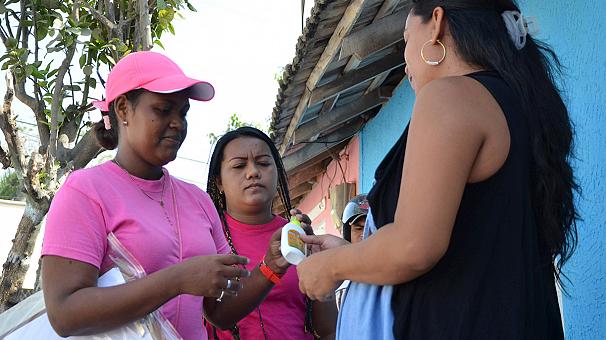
<point x="495" y="280"/>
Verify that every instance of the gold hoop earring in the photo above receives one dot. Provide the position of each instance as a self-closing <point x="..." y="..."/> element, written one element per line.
<point x="433" y="62"/>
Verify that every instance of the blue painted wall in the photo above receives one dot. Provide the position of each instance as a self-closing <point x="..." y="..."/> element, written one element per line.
<point x="575" y="29"/>
<point x="382" y="132"/>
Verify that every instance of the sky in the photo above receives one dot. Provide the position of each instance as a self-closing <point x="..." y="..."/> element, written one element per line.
<point x="239" y="46"/>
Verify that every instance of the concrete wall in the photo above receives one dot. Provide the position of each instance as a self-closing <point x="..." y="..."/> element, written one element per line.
<point x="317" y="202"/>
<point x="574" y="28"/>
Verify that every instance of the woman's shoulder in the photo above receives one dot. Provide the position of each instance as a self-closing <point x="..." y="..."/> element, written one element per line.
<point x="191" y="191"/>
<point x="456" y="99"/>
<point x="88" y="178"/>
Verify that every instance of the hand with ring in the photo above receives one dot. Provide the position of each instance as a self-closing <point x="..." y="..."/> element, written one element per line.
<point x="213" y="276"/>
<point x="231" y="288"/>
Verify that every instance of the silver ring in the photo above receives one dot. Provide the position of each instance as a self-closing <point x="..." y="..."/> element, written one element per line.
<point x="221" y="296"/>
<point x="229" y="284"/>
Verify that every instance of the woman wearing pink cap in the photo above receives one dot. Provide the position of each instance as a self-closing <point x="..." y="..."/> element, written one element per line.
<point x="169" y="226"/>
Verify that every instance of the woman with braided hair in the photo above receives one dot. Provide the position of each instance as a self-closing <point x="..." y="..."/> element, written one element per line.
<point x="245" y="175"/>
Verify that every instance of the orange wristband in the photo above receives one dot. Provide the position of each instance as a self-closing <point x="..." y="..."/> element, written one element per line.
<point x="268" y="273"/>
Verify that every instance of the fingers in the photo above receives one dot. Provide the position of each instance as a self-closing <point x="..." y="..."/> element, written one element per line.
<point x="232" y="259"/>
<point x="276" y="236"/>
<point x="233" y="272"/>
<point x="311" y="239"/>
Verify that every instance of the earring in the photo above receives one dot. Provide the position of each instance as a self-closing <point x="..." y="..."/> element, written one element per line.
<point x="433" y="62"/>
<point x="125" y="123"/>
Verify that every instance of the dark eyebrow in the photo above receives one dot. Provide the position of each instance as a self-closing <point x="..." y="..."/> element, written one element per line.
<point x="245" y="157"/>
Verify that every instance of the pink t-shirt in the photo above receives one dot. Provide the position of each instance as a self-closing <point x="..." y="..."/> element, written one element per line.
<point x="283" y="310"/>
<point x="96" y="201"/>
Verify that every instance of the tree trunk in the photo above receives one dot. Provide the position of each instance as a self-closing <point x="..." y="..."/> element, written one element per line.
<point x="17" y="263"/>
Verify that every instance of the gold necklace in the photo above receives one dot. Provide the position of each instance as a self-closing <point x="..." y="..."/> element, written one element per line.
<point x="161" y="201"/>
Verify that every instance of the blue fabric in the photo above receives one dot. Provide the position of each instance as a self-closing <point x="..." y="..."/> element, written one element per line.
<point x="366" y="311"/>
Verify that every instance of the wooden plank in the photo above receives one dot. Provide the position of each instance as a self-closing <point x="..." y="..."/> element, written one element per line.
<point x="387" y="8"/>
<point x="312" y="151"/>
<point x="352" y="64"/>
<point x="341" y="31"/>
<point x="342" y="114"/>
<point x="376" y="83"/>
<point x="294" y="193"/>
<point x="307" y="174"/>
<point x="352" y="79"/>
<point x="374" y="37"/>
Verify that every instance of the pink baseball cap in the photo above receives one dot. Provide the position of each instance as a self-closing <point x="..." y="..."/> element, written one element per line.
<point x="154" y="72"/>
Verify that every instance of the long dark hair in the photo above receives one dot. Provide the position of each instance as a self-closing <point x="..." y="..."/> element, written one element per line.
<point x="481" y="39"/>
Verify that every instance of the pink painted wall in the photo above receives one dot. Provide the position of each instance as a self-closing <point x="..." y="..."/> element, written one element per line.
<point x="333" y="175"/>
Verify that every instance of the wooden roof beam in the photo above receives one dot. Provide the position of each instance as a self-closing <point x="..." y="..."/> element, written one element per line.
<point x="311" y="153"/>
<point x="342" y="114"/>
<point x="307" y="174"/>
<point x="294" y="193"/>
<point x="352" y="79"/>
<point x="345" y="25"/>
<point x="375" y="37"/>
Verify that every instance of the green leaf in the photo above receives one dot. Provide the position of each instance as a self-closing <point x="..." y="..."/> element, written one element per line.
<point x="41" y="32"/>
<point x="85" y="32"/>
<point x="72" y="88"/>
<point x="191" y="7"/>
<point x="28" y="70"/>
<point x="92" y="82"/>
<point x="11" y="43"/>
<point x="6" y="65"/>
<point x="171" y="28"/>
<point x="159" y="43"/>
<point x="82" y="60"/>
<point x="110" y="60"/>
<point x="161" y="4"/>
<point x="52" y="73"/>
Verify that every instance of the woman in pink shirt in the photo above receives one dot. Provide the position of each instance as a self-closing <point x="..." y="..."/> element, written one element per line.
<point x="169" y="226"/>
<point x="245" y="175"/>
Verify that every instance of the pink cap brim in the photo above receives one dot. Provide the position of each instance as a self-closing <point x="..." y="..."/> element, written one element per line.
<point x="198" y="90"/>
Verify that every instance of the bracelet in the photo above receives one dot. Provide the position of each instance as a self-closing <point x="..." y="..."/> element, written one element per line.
<point x="270" y="274"/>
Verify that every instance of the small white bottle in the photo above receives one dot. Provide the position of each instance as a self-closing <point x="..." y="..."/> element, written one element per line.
<point x="292" y="247"/>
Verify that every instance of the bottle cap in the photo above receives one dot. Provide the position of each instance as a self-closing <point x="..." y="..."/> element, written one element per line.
<point x="294" y="220"/>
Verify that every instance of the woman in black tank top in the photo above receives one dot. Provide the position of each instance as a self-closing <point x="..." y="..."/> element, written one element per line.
<point x="474" y="203"/>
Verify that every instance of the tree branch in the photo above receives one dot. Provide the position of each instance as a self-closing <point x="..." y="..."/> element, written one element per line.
<point x="78" y="157"/>
<point x="111" y="26"/>
<point x="143" y="27"/>
<point x="4" y="159"/>
<point x="8" y="24"/>
<point x="56" y="106"/>
<point x="37" y="106"/>
<point x="9" y="128"/>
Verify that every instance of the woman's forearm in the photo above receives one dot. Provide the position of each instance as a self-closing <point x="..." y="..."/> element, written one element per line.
<point x="386" y="258"/>
<point x="93" y="310"/>
<point x="324" y="318"/>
